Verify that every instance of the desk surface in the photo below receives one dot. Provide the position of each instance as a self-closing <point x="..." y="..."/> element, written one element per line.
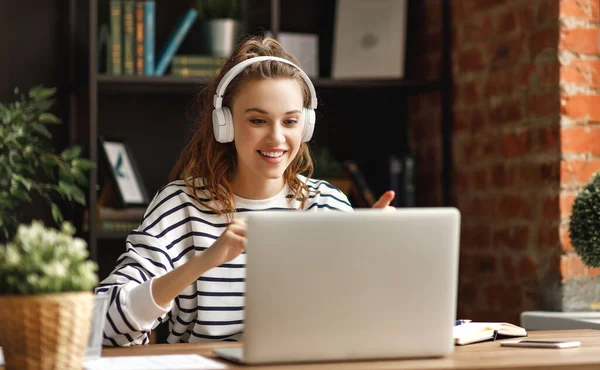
<point x="486" y="355"/>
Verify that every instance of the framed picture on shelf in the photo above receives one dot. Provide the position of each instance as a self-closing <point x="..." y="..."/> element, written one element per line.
<point x="369" y="39"/>
<point x="124" y="172"/>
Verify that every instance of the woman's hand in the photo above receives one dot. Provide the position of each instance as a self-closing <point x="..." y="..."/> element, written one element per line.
<point x="384" y="201"/>
<point x="229" y="245"/>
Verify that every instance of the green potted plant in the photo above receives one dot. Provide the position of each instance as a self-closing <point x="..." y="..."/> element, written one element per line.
<point x="45" y="278"/>
<point x="27" y="163"/>
<point x="221" y="25"/>
<point x="46" y="302"/>
<point x="584" y="226"/>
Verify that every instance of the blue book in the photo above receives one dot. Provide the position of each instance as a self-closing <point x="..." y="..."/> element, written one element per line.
<point x="149" y="24"/>
<point x="174" y="41"/>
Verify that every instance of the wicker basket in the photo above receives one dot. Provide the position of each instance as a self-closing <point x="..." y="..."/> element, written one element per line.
<point x="46" y="331"/>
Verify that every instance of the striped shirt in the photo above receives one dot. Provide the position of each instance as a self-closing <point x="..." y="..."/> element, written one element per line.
<point x="175" y="228"/>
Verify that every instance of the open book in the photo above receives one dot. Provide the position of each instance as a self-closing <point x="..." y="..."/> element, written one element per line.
<point x="473" y="332"/>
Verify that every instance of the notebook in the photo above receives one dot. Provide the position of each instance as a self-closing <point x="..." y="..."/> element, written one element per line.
<point x="335" y="286"/>
<point x="474" y="332"/>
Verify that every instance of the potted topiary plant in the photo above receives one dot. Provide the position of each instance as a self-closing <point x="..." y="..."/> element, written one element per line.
<point x="46" y="301"/>
<point x="221" y="25"/>
<point x="584" y="226"/>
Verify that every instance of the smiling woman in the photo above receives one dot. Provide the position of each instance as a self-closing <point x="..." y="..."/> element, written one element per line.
<point x="185" y="262"/>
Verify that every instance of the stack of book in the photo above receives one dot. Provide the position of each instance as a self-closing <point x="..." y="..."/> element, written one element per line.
<point x="196" y="65"/>
<point x="114" y="219"/>
<point x="126" y="39"/>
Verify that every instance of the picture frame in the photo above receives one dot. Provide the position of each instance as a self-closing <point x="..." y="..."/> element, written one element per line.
<point x="369" y="39"/>
<point x="124" y="172"/>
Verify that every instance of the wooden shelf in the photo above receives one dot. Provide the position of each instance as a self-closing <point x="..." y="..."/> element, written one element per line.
<point x="188" y="85"/>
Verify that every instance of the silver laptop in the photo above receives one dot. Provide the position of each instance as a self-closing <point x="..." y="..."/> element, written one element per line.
<point x="334" y="286"/>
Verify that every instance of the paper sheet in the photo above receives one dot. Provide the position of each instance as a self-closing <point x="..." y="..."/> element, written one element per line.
<point x="164" y="362"/>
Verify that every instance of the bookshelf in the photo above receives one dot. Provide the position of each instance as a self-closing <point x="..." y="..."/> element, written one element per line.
<point x="152" y="112"/>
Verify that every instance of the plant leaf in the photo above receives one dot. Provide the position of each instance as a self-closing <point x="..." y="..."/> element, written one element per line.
<point x="78" y="195"/>
<point x="48" y="118"/>
<point x="56" y="213"/>
<point x="41" y="129"/>
<point x="71" y="153"/>
<point x="83" y="164"/>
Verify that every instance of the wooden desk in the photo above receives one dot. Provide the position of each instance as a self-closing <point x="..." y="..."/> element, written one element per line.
<point x="487" y="355"/>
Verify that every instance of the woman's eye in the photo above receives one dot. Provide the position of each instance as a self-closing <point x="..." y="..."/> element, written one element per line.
<point x="290" y="121"/>
<point x="258" y="121"/>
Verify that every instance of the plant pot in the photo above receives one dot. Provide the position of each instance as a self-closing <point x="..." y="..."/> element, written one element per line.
<point x="46" y="331"/>
<point x="221" y="36"/>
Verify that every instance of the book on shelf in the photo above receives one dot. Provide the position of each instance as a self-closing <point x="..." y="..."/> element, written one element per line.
<point x="174" y="41"/>
<point x="128" y="38"/>
<point x="197" y="61"/>
<point x="194" y="72"/>
<point x="115" y="219"/>
<point x="475" y="332"/>
<point x="131" y="37"/>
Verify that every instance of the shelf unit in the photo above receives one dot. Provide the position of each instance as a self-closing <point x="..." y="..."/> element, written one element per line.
<point x="101" y="88"/>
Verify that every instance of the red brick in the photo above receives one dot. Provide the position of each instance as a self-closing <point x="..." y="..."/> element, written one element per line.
<point x="524" y="74"/>
<point x="512" y="238"/>
<point x="507" y="22"/>
<point x="508" y="111"/>
<point x="543" y="105"/>
<point x="525" y="17"/>
<point x="471" y="60"/>
<point x="503" y="176"/>
<point x="593" y="272"/>
<point x="478" y="120"/>
<point x="548" y="238"/>
<point x="550" y="208"/>
<point x="469" y="92"/>
<point x="462" y="119"/>
<point x="527" y="269"/>
<point x="542" y="40"/>
<point x="565" y="238"/>
<point x="580" y="139"/>
<point x="578" y="172"/>
<point x="580" y="40"/>
<point x="581" y="72"/>
<point x="580" y="9"/>
<point x="571" y="267"/>
<point x="549" y="138"/>
<point x="514" y="207"/>
<point x="480" y="181"/>
<point x="516" y="144"/>
<point x="547" y="12"/>
<point x="549" y="74"/>
<point x="509" y="269"/>
<point x="499" y="82"/>
<point x="566" y="203"/>
<point x="477" y="30"/>
<point x="508" y="52"/>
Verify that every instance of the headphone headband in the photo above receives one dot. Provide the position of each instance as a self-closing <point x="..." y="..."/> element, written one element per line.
<point x="238" y="68"/>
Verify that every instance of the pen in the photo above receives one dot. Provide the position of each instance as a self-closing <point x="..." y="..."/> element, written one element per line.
<point x="460" y="322"/>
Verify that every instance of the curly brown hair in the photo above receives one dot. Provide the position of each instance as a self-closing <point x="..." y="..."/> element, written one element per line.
<point x="214" y="162"/>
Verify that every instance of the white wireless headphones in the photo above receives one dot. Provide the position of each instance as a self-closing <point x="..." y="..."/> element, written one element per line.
<point x="222" y="118"/>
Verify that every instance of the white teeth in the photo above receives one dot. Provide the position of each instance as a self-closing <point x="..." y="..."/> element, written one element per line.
<point x="272" y="154"/>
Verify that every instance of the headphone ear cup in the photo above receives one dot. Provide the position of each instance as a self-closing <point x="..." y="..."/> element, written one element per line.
<point x="222" y="125"/>
<point x="309" y="124"/>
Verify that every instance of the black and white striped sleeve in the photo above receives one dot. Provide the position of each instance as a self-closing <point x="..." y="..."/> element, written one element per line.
<point x="132" y="312"/>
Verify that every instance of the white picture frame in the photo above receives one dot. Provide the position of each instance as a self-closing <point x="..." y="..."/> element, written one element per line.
<point x="124" y="172"/>
<point x="369" y="39"/>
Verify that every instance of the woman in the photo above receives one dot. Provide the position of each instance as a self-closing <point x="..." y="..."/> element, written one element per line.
<point x="185" y="263"/>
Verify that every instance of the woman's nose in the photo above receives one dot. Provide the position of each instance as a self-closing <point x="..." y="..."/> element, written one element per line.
<point x="276" y="134"/>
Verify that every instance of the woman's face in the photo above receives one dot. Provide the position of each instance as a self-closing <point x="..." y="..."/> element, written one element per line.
<point x="267" y="121"/>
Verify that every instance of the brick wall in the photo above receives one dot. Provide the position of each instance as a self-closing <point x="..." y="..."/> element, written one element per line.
<point x="526" y="77"/>
<point x="579" y="55"/>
